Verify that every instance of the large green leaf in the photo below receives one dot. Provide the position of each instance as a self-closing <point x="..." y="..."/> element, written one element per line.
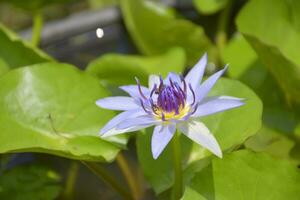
<point x="245" y="66"/>
<point x="278" y="121"/>
<point x="119" y="70"/>
<point x="155" y="29"/>
<point x="3" y="67"/>
<point x="241" y="57"/>
<point x="274" y="33"/>
<point x="211" y="6"/>
<point x="18" y="53"/>
<point x="34" y="182"/>
<point x="51" y="108"/>
<point x="272" y="142"/>
<point x="231" y="128"/>
<point x="245" y="175"/>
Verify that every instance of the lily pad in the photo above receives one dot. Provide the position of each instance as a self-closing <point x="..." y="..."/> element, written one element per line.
<point x="3" y="67"/>
<point x="272" y="142"/>
<point x="116" y="69"/>
<point x="18" y="53"/>
<point x="50" y="108"/>
<point x="245" y="175"/>
<point x="231" y="129"/>
<point x="32" y="182"/>
<point x="278" y="121"/>
<point x="210" y="7"/>
<point x="278" y="44"/>
<point x="163" y="31"/>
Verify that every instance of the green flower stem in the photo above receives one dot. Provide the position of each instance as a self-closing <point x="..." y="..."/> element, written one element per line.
<point x="103" y="174"/>
<point x="221" y="37"/>
<point x="71" y="180"/>
<point x="178" y="185"/>
<point x="37" y="28"/>
<point x="132" y="182"/>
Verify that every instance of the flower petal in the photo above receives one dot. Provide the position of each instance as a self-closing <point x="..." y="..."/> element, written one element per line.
<point x="153" y="79"/>
<point x="206" y="86"/>
<point x="200" y="134"/>
<point x="121" y="117"/>
<point x="133" y="90"/>
<point x="137" y="121"/>
<point x="162" y="135"/>
<point x="118" y="103"/>
<point x="195" y="75"/>
<point x="217" y="104"/>
<point x="174" y="77"/>
<point x="115" y="131"/>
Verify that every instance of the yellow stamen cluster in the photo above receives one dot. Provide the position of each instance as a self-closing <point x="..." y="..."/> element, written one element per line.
<point x="183" y="111"/>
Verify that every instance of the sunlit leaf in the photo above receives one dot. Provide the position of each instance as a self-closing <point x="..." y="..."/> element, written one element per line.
<point x="211" y="6"/>
<point x="18" y="53"/>
<point x="117" y="69"/>
<point x="231" y="128"/>
<point x="278" y="44"/>
<point x="279" y="121"/>
<point x="245" y="175"/>
<point x="272" y="142"/>
<point x="3" y="67"/>
<point x="245" y="66"/>
<point x="155" y="29"/>
<point x="50" y="108"/>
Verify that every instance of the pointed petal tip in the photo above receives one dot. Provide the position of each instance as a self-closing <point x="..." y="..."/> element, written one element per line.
<point x="99" y="102"/>
<point x="101" y="133"/>
<point x="220" y="156"/>
<point x="204" y="58"/>
<point x="217" y="151"/>
<point x="225" y="68"/>
<point x="155" y="156"/>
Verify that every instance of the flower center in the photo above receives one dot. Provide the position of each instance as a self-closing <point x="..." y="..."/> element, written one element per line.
<point x="169" y="101"/>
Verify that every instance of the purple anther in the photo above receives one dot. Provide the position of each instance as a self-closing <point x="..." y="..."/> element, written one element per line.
<point x="193" y="93"/>
<point x="153" y="90"/>
<point x="140" y="89"/>
<point x="171" y="82"/>
<point x="153" y="106"/>
<point x="161" y="84"/>
<point x="171" y="98"/>
<point x="184" y="84"/>
<point x="143" y="106"/>
<point x="195" y="109"/>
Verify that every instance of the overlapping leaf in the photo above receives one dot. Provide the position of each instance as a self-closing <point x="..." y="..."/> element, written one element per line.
<point x="210" y="7"/>
<point x="245" y="175"/>
<point x="121" y="69"/>
<point x="274" y="33"/>
<point x="279" y="121"/>
<point x="155" y="29"/>
<point x="18" y="53"/>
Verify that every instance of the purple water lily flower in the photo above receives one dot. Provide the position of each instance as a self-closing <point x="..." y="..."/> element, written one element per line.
<point x="175" y="102"/>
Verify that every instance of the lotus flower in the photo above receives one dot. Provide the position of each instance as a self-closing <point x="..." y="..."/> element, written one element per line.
<point x="168" y="104"/>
